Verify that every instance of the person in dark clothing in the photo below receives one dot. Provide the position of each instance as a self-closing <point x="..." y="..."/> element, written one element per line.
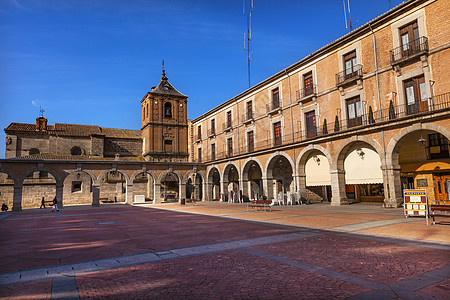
<point x="42" y="203"/>
<point x="4" y="207"/>
<point x="55" y="204"/>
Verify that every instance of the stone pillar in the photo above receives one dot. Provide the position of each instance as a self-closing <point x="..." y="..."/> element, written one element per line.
<point x="395" y="197"/>
<point x="60" y="193"/>
<point x="95" y="195"/>
<point x="267" y="188"/>
<point x="339" y="196"/>
<point x="182" y="192"/>
<point x="157" y="195"/>
<point x="208" y="195"/>
<point x="129" y="194"/>
<point x="17" y="197"/>
<point x="301" y="185"/>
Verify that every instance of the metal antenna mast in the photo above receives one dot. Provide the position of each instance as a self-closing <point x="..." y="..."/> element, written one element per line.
<point x="349" y="14"/>
<point x="249" y="36"/>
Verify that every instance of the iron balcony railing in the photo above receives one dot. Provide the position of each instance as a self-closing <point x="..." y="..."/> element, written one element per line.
<point x="409" y="50"/>
<point x="227" y="125"/>
<point x="274" y="105"/>
<point x="248" y="116"/>
<point x="390" y="114"/>
<point x="306" y="93"/>
<point x="211" y="132"/>
<point x="349" y="75"/>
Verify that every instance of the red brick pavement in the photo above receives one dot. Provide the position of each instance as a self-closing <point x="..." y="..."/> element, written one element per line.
<point x="382" y="262"/>
<point x="27" y="291"/>
<point x="230" y="275"/>
<point x="31" y="240"/>
<point x="440" y="290"/>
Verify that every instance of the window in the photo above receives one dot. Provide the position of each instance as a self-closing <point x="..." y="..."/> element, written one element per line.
<point x="34" y="151"/>
<point x="213" y="126"/>
<point x="76" y="151"/>
<point x="230" y="146"/>
<point x="249" y="110"/>
<point x="277" y="133"/>
<point x="147" y="111"/>
<point x="275" y="98"/>
<point x="143" y="112"/>
<point x="308" y="84"/>
<point x="168" y="145"/>
<point x="416" y="95"/>
<point x="250" y="141"/>
<point x="350" y="65"/>
<point x="199" y="154"/>
<point x="213" y="151"/>
<point x="438" y="145"/>
<point x="229" y="118"/>
<point x="311" y="128"/>
<point x="167" y="110"/>
<point x="76" y="186"/>
<point x="43" y="174"/>
<point x="409" y="39"/>
<point x="199" y="132"/>
<point x="354" y="112"/>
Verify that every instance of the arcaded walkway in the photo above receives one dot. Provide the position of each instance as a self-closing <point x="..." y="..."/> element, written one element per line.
<point x="216" y="251"/>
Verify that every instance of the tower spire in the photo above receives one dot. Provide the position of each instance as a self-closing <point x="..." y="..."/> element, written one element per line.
<point x="164" y="77"/>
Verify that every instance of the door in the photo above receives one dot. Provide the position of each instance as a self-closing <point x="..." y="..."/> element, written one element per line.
<point x="354" y="112"/>
<point x="409" y="36"/>
<point x="311" y="129"/>
<point x="416" y="95"/>
<point x="441" y="188"/>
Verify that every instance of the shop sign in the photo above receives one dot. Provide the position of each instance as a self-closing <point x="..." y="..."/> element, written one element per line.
<point x="416" y="203"/>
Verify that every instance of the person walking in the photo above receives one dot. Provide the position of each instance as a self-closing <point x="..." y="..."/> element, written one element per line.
<point x="55" y="204"/>
<point x="42" y="203"/>
<point x="4" y="207"/>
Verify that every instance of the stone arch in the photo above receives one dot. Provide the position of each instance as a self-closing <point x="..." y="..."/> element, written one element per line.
<point x="303" y="155"/>
<point x="7" y="195"/>
<point x="68" y="172"/>
<point x="147" y="189"/>
<point x="275" y="154"/>
<point x="50" y="171"/>
<point x="133" y="176"/>
<point x="252" y="186"/>
<point x="76" y="150"/>
<point x="172" y="193"/>
<point x="397" y="141"/>
<point x="9" y="174"/>
<point x="103" y="174"/>
<point x="227" y="168"/>
<point x="212" y="185"/>
<point x="200" y="181"/>
<point x="165" y="172"/>
<point x="341" y="151"/>
<point x="80" y="196"/>
<point x="29" y="198"/>
<point x="226" y="176"/>
<point x="188" y="173"/>
<point x="111" y="195"/>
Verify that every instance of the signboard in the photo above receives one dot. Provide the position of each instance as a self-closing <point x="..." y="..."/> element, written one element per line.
<point x="416" y="203"/>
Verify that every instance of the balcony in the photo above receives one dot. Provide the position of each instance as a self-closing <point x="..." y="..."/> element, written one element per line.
<point x="227" y="126"/>
<point x="274" y="107"/>
<point x="247" y="117"/>
<point x="393" y="114"/>
<point x="349" y="76"/>
<point x="407" y="52"/>
<point x="307" y="94"/>
<point x="211" y="133"/>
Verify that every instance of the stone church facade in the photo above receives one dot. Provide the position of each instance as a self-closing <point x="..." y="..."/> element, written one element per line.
<point x="359" y="120"/>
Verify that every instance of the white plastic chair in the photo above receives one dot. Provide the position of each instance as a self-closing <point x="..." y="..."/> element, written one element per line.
<point x="289" y="198"/>
<point x="280" y="199"/>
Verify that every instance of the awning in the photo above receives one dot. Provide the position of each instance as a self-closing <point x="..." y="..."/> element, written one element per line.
<point x="362" y="166"/>
<point x="317" y="171"/>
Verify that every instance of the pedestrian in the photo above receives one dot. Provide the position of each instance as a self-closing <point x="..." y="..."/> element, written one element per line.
<point x="55" y="204"/>
<point x="4" y="207"/>
<point x="42" y="203"/>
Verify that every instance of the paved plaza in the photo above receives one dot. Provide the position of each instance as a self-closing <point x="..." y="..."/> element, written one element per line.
<point x="222" y="251"/>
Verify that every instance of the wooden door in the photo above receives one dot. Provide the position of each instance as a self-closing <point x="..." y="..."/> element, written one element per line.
<point x="441" y="188"/>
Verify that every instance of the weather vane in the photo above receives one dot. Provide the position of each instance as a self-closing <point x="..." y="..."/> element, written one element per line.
<point x="41" y="110"/>
<point x="163" y="66"/>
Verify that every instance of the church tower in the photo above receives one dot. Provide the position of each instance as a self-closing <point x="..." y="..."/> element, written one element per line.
<point x="164" y="123"/>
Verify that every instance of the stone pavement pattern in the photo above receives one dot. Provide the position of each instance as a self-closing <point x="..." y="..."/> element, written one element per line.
<point x="145" y="253"/>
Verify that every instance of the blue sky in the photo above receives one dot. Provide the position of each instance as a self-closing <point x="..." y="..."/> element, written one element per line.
<point x="92" y="61"/>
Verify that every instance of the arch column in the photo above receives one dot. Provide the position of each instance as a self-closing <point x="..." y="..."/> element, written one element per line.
<point x="182" y="191"/>
<point x="60" y="193"/>
<point x="395" y="198"/>
<point x="301" y="185"/>
<point x="129" y="194"/>
<point x="267" y="187"/>
<point x="95" y="194"/>
<point x="157" y="196"/>
<point x="338" y="187"/>
<point x="17" y="197"/>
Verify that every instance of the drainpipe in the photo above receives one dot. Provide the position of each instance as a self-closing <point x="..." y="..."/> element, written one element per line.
<point x="381" y="114"/>
<point x="292" y="129"/>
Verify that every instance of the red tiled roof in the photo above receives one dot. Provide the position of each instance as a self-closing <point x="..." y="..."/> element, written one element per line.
<point x="75" y="130"/>
<point x="46" y="156"/>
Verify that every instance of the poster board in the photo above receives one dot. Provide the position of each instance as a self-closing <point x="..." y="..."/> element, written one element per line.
<point x="415" y="203"/>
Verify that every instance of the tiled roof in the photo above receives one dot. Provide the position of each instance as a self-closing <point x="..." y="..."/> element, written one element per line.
<point x="165" y="88"/>
<point x="78" y="130"/>
<point x="46" y="156"/>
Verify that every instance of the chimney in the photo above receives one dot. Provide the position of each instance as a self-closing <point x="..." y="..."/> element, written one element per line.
<point x="41" y="124"/>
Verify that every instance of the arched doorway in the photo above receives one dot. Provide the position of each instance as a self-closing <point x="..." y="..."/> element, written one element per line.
<point x="214" y="184"/>
<point x="170" y="187"/>
<point x="252" y="180"/>
<point x="6" y="190"/>
<point x="113" y="187"/>
<point x="143" y="187"/>
<point x="77" y="188"/>
<point x="194" y="187"/>
<point x="279" y="176"/>
<point x="315" y="168"/>
<point x="38" y="184"/>
<point x="424" y="161"/>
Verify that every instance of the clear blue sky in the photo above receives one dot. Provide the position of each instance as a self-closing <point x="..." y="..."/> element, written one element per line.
<point x="92" y="61"/>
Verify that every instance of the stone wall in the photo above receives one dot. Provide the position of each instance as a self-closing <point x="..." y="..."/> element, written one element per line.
<point x="125" y="147"/>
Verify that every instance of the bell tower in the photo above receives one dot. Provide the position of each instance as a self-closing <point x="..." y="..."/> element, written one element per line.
<point x="164" y="123"/>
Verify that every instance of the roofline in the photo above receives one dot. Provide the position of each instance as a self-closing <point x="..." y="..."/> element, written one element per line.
<point x="374" y="23"/>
